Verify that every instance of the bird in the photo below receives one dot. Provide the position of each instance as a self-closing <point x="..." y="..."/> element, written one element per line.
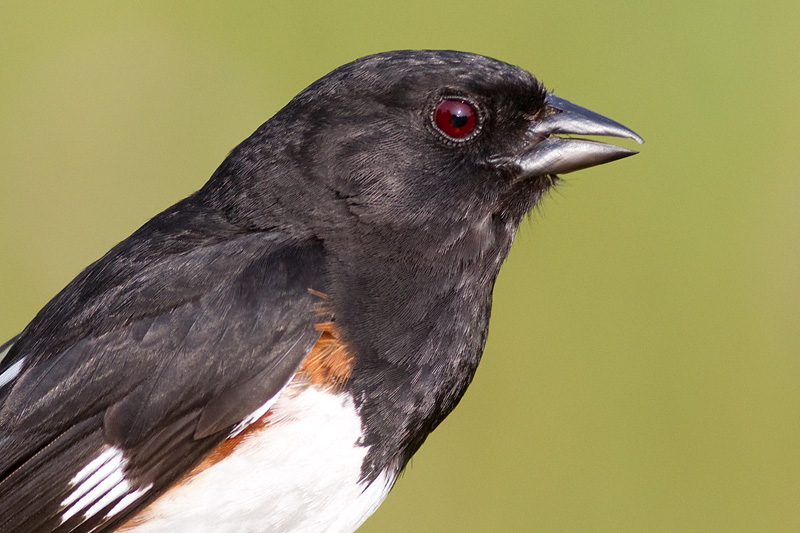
<point x="267" y="354"/>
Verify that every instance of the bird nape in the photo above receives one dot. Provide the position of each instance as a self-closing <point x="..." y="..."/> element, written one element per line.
<point x="268" y="353"/>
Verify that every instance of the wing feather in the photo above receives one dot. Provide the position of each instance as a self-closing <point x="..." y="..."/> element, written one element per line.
<point x="99" y="420"/>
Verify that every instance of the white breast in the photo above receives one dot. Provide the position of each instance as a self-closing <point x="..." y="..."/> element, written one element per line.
<point x="300" y="474"/>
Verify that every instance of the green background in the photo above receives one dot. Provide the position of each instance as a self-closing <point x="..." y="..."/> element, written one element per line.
<point x="643" y="362"/>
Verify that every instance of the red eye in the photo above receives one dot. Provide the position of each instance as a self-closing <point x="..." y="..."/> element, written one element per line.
<point x="455" y="118"/>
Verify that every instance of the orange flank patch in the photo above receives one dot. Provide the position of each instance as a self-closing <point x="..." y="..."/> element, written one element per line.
<point x="328" y="364"/>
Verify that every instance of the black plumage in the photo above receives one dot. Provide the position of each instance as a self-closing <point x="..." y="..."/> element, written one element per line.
<point x="349" y="205"/>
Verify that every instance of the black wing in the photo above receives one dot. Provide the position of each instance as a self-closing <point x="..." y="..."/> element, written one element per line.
<point x="141" y="367"/>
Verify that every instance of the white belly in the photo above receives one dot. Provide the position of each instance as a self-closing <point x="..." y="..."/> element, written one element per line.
<point x="301" y="474"/>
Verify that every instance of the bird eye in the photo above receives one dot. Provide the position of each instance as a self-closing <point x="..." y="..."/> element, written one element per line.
<point x="455" y="118"/>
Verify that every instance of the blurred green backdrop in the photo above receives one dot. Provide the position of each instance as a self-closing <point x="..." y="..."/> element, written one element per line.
<point x="643" y="367"/>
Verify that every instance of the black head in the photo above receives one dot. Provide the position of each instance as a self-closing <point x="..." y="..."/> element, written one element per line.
<point x="403" y="143"/>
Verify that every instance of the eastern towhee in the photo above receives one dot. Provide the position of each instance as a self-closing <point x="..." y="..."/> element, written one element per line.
<point x="268" y="354"/>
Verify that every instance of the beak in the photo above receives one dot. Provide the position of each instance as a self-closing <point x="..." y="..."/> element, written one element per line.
<point x="560" y="155"/>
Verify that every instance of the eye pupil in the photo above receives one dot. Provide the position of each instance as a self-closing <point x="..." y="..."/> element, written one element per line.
<point x="455" y="118"/>
<point x="459" y="121"/>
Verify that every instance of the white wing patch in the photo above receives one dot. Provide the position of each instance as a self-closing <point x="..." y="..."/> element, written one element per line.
<point x="100" y="483"/>
<point x="11" y="372"/>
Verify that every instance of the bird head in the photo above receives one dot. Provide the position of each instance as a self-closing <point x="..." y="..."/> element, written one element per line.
<point x="449" y="147"/>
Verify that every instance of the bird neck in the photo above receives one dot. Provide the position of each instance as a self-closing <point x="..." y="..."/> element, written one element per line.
<point x="422" y="342"/>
